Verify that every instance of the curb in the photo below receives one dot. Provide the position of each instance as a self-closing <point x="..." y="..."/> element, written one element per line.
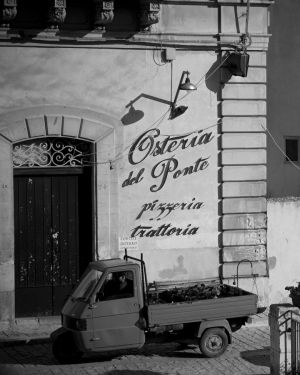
<point x="7" y="341"/>
<point x="29" y="331"/>
<point x="29" y="340"/>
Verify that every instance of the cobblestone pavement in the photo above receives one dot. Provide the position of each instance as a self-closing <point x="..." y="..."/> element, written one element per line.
<point x="248" y="354"/>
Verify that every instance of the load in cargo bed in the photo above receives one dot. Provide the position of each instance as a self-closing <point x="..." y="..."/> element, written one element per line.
<point x="199" y="302"/>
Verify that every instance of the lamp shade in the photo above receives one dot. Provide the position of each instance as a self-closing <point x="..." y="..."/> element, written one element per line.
<point x="187" y="85"/>
<point x="177" y="111"/>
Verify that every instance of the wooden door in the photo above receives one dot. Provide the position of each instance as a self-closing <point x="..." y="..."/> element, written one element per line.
<point x="47" y="241"/>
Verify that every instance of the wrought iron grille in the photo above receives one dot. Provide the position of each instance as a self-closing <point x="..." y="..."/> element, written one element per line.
<point x="52" y="152"/>
<point x="290" y="338"/>
<point x="295" y="343"/>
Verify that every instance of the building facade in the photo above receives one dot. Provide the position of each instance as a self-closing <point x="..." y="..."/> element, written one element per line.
<point x="283" y="150"/>
<point x="283" y="99"/>
<point x="102" y="149"/>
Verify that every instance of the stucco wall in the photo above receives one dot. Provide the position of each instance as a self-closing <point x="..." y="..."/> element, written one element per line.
<point x="107" y="81"/>
<point x="6" y="233"/>
<point x="283" y="246"/>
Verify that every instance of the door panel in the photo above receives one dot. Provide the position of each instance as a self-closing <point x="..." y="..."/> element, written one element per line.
<point x="33" y="301"/>
<point x="60" y="294"/>
<point x="115" y="324"/>
<point x="32" y="246"/>
<point x="41" y="225"/>
<point x="115" y="319"/>
<point x="64" y="237"/>
<point x="46" y="242"/>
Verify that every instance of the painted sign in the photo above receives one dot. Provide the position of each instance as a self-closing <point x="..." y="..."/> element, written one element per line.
<point x="171" y="182"/>
<point x="158" y="210"/>
<point x="147" y="145"/>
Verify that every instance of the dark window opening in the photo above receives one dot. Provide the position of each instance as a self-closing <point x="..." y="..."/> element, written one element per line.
<point x="291" y="149"/>
<point x="116" y="285"/>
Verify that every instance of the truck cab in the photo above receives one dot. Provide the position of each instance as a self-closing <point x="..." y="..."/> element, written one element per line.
<point x="103" y="312"/>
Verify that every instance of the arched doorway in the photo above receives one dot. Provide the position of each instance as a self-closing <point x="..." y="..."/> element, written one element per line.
<point x="53" y="221"/>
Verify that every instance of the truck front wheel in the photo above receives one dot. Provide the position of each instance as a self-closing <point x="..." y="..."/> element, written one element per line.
<point x="213" y="342"/>
<point x="64" y="349"/>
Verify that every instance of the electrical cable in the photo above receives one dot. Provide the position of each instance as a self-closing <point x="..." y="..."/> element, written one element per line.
<point x="247" y="17"/>
<point x="243" y="44"/>
<point x="119" y="156"/>
<point x="206" y="77"/>
<point x="156" y="123"/>
<point x="153" y="56"/>
<point x="192" y="131"/>
<point x="159" y="121"/>
<point x="279" y="148"/>
<point x="154" y="59"/>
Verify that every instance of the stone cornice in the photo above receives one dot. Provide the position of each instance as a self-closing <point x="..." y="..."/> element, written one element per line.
<point x="97" y="39"/>
<point x="244" y="2"/>
<point x="216" y="2"/>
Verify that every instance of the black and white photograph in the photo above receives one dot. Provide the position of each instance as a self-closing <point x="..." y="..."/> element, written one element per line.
<point x="149" y="187"/>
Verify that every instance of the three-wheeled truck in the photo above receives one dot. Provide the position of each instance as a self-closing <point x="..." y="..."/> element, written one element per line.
<point x="99" y="318"/>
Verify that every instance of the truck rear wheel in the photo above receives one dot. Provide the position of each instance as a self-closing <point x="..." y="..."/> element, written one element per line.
<point x="213" y="342"/>
<point x="64" y="349"/>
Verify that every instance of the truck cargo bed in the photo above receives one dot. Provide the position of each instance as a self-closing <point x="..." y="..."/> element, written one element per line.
<point x="244" y="304"/>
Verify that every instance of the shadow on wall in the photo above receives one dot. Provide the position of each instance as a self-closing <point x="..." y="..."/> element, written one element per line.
<point x="272" y="262"/>
<point x="217" y="72"/>
<point x="177" y="270"/>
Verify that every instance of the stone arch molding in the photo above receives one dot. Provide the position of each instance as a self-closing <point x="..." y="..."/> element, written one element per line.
<point x="63" y="121"/>
<point x="45" y="121"/>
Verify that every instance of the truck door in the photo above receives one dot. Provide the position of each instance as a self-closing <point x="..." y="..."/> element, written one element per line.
<point x="116" y="313"/>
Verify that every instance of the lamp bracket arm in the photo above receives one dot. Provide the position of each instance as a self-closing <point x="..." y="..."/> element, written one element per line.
<point x="148" y="97"/>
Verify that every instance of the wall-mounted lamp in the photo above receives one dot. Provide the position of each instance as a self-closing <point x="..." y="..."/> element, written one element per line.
<point x="237" y="63"/>
<point x="186" y="86"/>
<point x="134" y="115"/>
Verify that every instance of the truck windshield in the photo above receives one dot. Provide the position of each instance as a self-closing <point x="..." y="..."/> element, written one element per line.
<point x="87" y="285"/>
